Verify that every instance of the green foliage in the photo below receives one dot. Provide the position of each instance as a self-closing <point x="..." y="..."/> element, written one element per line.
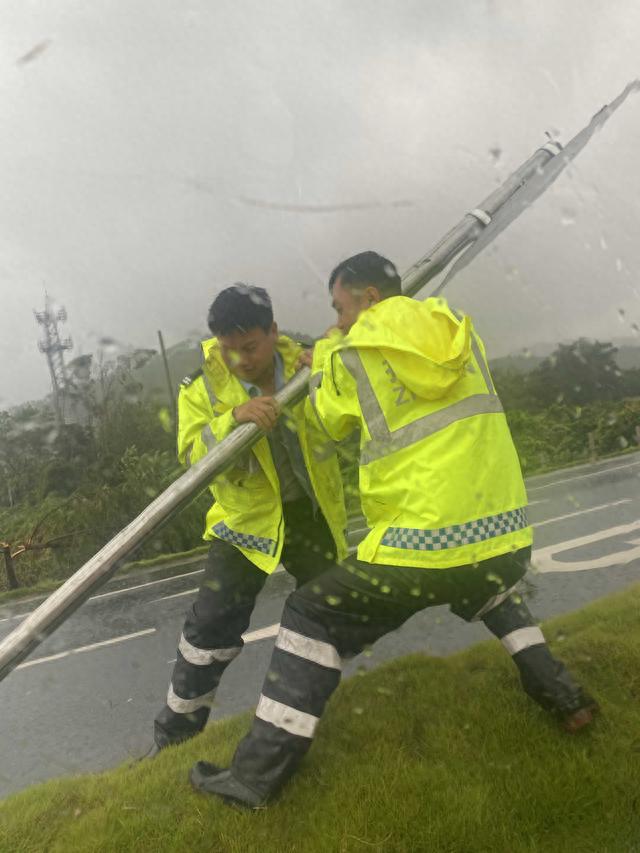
<point x="560" y="435"/>
<point x="573" y="406"/>
<point x="88" y="482"/>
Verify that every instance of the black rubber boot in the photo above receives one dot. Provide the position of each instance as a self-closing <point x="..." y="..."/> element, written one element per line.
<point x="210" y="779"/>
<point x="580" y="715"/>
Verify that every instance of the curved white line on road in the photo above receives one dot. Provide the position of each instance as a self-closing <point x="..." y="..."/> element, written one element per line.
<point x="88" y="648"/>
<point x="544" y="559"/>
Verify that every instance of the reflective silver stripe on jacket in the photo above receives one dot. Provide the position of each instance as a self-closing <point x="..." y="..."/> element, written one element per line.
<point x="188" y="706"/>
<point x="383" y="440"/>
<point x="477" y="404"/>
<point x="371" y="409"/>
<point x="284" y="717"/>
<point x="304" y="647"/>
<point x="208" y="437"/>
<point x="482" y="364"/>
<point x="521" y="639"/>
<point x="205" y="657"/>
<point x="212" y="397"/>
<point x="477" y="354"/>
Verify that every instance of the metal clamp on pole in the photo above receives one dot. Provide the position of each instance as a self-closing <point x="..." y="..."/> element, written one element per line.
<point x="552" y="147"/>
<point x="481" y="215"/>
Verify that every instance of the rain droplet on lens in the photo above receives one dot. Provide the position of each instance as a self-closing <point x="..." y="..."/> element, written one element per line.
<point x="567" y="217"/>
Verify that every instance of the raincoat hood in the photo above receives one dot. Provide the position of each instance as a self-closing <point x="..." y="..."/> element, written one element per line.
<point x="426" y="346"/>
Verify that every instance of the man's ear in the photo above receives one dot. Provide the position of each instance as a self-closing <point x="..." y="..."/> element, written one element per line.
<point x="372" y="295"/>
<point x="274" y="329"/>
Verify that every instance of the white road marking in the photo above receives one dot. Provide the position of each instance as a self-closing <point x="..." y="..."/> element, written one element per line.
<point x="142" y="585"/>
<point x="544" y="560"/>
<point x="254" y="636"/>
<point x="88" y="648"/>
<point x="582" y="476"/>
<point x="121" y="591"/>
<point x="581" y="512"/>
<point x="9" y="618"/>
<point x="175" y="595"/>
<point x="279" y="568"/>
<point x="262" y="633"/>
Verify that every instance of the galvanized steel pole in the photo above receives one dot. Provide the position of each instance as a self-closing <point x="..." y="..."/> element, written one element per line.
<point x="68" y="597"/>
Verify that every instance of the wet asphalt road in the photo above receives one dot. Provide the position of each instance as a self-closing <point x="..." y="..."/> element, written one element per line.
<point x="86" y="698"/>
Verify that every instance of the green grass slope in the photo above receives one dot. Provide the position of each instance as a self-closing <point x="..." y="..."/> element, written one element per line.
<point x="423" y="754"/>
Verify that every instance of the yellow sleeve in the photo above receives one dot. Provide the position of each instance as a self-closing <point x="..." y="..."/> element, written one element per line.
<point x="200" y="427"/>
<point x="333" y="396"/>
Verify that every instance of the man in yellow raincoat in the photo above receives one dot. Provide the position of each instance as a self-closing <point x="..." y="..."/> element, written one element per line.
<point x="445" y="506"/>
<point x="281" y="502"/>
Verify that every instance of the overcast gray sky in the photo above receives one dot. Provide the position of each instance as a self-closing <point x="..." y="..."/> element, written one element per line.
<point x="148" y="149"/>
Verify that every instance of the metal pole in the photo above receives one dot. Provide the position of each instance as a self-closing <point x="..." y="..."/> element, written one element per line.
<point x="468" y="229"/>
<point x="67" y="598"/>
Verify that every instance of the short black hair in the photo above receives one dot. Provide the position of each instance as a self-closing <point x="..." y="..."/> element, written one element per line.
<point x="239" y="308"/>
<point x="368" y="268"/>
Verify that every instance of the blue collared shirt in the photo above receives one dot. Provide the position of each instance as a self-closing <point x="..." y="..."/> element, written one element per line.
<point x="285" y="446"/>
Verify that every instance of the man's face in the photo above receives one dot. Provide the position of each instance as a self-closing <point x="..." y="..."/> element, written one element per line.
<point x="348" y="304"/>
<point x="249" y="355"/>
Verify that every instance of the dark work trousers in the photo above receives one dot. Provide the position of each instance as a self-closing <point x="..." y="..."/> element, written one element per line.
<point x="212" y="633"/>
<point x="349" y="607"/>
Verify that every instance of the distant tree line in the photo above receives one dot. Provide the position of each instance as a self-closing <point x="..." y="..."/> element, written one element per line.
<point x="576" y="405"/>
<point x="64" y="492"/>
<point x="575" y="374"/>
